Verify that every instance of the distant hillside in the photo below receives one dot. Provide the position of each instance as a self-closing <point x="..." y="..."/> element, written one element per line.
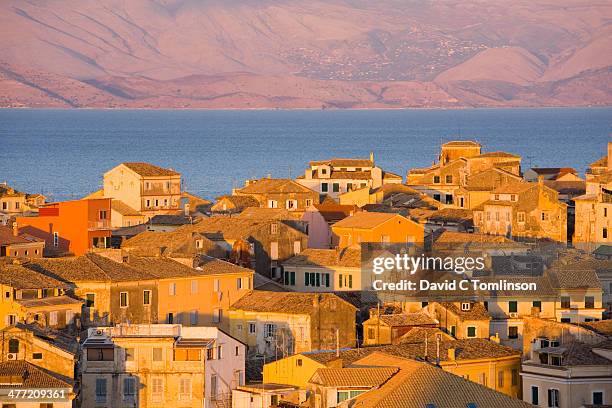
<point x="305" y="54"/>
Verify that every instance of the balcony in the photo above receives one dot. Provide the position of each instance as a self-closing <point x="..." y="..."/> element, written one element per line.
<point x="98" y="225"/>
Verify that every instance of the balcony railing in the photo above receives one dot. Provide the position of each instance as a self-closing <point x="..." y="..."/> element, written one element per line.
<point x="98" y="225"/>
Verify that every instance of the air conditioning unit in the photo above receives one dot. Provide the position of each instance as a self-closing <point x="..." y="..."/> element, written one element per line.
<point x="514" y="315"/>
<point x="11" y="356"/>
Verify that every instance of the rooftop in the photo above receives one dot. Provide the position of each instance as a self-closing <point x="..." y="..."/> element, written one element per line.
<point x="20" y="374"/>
<point x="283" y="302"/>
<point x="346" y="257"/>
<point x="270" y="185"/>
<point x="19" y="277"/>
<point x="365" y="220"/>
<point x="149" y="170"/>
<point x="461" y="143"/>
<point x="403" y="319"/>
<point x="343" y="162"/>
<point x="352" y="377"/>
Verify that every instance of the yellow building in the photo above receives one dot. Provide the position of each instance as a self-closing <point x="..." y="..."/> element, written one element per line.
<point x="160" y="366"/>
<point x="28" y="297"/>
<point x="377" y="227"/>
<point x="478" y="360"/>
<point x="462" y="320"/>
<point x="389" y="328"/>
<point x="144" y="188"/>
<point x="593" y="226"/>
<point x="278" y="193"/>
<point x="478" y="187"/>
<point x="281" y="323"/>
<point x="523" y="210"/>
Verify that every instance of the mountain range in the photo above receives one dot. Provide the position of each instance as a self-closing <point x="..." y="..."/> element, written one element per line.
<point x="305" y="54"/>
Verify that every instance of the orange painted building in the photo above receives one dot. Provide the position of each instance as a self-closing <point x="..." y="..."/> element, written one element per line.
<point x="71" y="226"/>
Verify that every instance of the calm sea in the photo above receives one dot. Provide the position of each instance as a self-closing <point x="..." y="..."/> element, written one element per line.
<point x="63" y="153"/>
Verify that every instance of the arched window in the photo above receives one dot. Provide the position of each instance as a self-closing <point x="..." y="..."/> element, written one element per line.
<point x="13" y="346"/>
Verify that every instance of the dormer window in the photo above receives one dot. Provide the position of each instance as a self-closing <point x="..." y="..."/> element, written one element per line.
<point x="466" y="306"/>
<point x="323" y="171"/>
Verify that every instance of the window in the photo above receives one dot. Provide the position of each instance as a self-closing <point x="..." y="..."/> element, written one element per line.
<point x="597" y="398"/>
<point x="213" y="386"/>
<point x="237" y="351"/>
<point x="157" y="389"/>
<point x="289" y="278"/>
<point x="297" y="247"/>
<point x="217" y="315"/>
<point x="500" y="379"/>
<point x="449" y="179"/>
<point x="323" y="171"/>
<point x="187" y="354"/>
<point x="471" y="331"/>
<point x="336" y="187"/>
<point x="544" y="216"/>
<point x="251" y="328"/>
<point x="449" y="198"/>
<point x="513" y="306"/>
<point x="100" y="389"/>
<point x="535" y="395"/>
<point x="219" y="352"/>
<point x="102" y="214"/>
<point x="371" y="333"/>
<point x="436" y="179"/>
<point x="146" y="297"/>
<point x="566" y="320"/>
<point x="185" y="389"/>
<point x="148" y="203"/>
<point x="216" y="285"/>
<point x="193" y="317"/>
<point x="537" y="304"/>
<point x="604" y="233"/>
<point x="605" y="210"/>
<point x="100" y="354"/>
<point x="55" y="239"/>
<point x="308" y="202"/>
<point x="273" y="228"/>
<point x="157" y="354"/>
<point x="589" y="302"/>
<point x="513" y="332"/>
<point x="172" y="289"/>
<point x="291" y="204"/>
<point x="298" y="362"/>
<point x="129" y="354"/>
<point x="482" y="379"/>
<point x="13" y="346"/>
<point x="210" y="353"/>
<point x="553" y="397"/>
<point x="37" y="356"/>
<point x="324" y="187"/>
<point x="555" y="360"/>
<point x="340" y="281"/>
<point x="238" y="283"/>
<point x="496" y="198"/>
<point x="465" y="306"/>
<point x="565" y="302"/>
<point x="272" y="204"/>
<point x="90" y="299"/>
<point x="170" y="318"/>
<point x="129" y="388"/>
<point x="512" y="197"/>
<point x="53" y="318"/>
<point x="269" y="330"/>
<point x="436" y="197"/>
<point x="515" y="377"/>
<point x="123" y="299"/>
<point x="350" y="281"/>
<point x="194" y="287"/>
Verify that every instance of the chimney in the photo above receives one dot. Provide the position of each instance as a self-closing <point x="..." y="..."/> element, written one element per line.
<point x="372" y="157"/>
<point x="452" y="354"/>
<point x="609" y="156"/>
<point x="187" y="209"/>
<point x="15" y="229"/>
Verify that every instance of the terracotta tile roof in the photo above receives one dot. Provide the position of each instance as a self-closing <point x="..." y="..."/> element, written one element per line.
<point x="462" y="237"/>
<point x="515" y="187"/>
<point x="239" y="202"/>
<point x="13" y="375"/>
<point x="348" y="175"/>
<point x="346" y="257"/>
<point x="122" y="208"/>
<point x="282" y="302"/>
<point x="365" y="220"/>
<point x="269" y="185"/>
<point x="7" y="237"/>
<point x="499" y="154"/>
<point x="602" y="162"/>
<point x="477" y="311"/>
<point x="335" y="212"/>
<point x="167" y="268"/>
<point x="55" y="338"/>
<point x="149" y="170"/>
<point x="170" y="219"/>
<point x="577" y="272"/>
<point x="266" y="214"/>
<point x="488" y="180"/>
<point x="403" y="319"/>
<point x="338" y="162"/>
<point x="48" y="301"/>
<point x="181" y="241"/>
<point x="577" y="354"/>
<point x="20" y="277"/>
<point x="419" y="384"/>
<point x="352" y="377"/>
<point x="451" y="214"/>
<point x="567" y="187"/>
<point x="6" y="191"/>
<point x="389" y="175"/>
<point x="601" y="327"/>
<point x="461" y="143"/>
<point x="418" y="334"/>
